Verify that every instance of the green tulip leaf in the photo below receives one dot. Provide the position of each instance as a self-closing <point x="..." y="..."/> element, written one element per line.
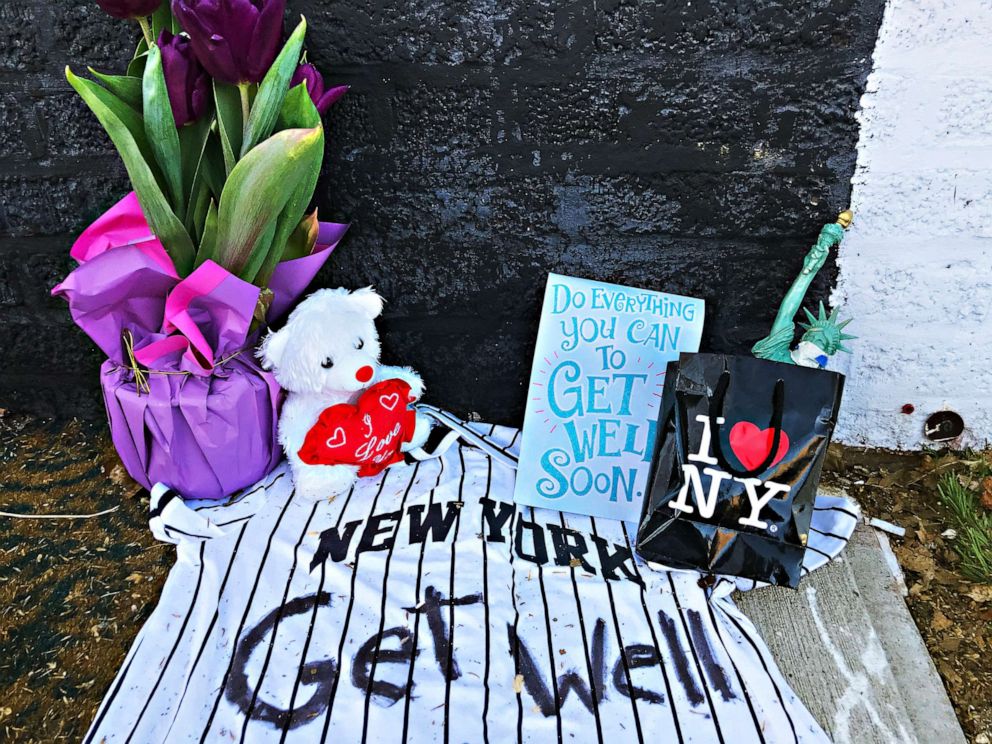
<point x="136" y="67"/>
<point x="125" y="130"/>
<point x="272" y="91"/>
<point x="196" y="211"/>
<point x="298" y="110"/>
<point x="303" y="238"/>
<point x="160" y="127"/>
<point x="193" y="144"/>
<point x="291" y="214"/>
<point x="208" y="243"/>
<point x="229" y="122"/>
<point x="208" y="182"/>
<point x="212" y="167"/>
<point x="125" y="87"/>
<point x="258" y="251"/>
<point x="256" y="195"/>
<point x="127" y="116"/>
<point x="163" y="19"/>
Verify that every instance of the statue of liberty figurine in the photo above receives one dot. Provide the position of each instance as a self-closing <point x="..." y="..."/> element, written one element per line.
<point x="823" y="335"/>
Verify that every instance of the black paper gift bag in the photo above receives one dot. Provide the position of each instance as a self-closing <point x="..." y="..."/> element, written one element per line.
<point x="737" y="461"/>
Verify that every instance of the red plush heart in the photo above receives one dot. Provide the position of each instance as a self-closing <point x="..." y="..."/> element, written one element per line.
<point x="368" y="434"/>
<point x="751" y="445"/>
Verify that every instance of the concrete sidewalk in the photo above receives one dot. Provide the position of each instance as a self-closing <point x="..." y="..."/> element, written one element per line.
<point x="849" y="647"/>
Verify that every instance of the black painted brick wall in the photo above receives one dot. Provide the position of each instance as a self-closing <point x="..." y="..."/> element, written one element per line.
<point x="692" y="147"/>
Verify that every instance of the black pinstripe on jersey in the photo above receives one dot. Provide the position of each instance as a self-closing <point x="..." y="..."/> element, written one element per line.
<point x="537" y="625"/>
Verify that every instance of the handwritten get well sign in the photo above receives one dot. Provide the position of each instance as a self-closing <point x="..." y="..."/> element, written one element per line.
<point x="595" y="389"/>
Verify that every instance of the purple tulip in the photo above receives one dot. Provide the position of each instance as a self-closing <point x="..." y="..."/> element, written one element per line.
<point x="322" y="99"/>
<point x="186" y="80"/>
<point x="236" y="40"/>
<point x="129" y="8"/>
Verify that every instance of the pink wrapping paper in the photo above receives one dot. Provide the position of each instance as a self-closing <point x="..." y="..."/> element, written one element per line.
<point x="202" y="417"/>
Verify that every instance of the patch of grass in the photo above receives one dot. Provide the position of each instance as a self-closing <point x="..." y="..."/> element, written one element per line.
<point x="974" y="527"/>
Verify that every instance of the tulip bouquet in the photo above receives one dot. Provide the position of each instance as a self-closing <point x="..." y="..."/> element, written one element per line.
<point x="220" y="131"/>
<point x="218" y="123"/>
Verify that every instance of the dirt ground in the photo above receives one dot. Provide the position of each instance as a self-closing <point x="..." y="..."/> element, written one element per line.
<point x="954" y="615"/>
<point x="73" y="593"/>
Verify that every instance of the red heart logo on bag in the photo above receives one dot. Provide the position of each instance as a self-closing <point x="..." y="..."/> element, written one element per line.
<point x="751" y="445"/>
<point x="368" y="433"/>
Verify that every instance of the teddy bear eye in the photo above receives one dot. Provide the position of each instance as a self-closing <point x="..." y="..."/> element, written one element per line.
<point x="360" y="344"/>
<point x="327" y="363"/>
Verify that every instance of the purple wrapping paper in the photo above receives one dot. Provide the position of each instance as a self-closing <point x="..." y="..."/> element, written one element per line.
<point x="205" y="436"/>
<point x="203" y="416"/>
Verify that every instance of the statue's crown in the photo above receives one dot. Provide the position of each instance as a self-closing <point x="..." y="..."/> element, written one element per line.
<point x="826" y="331"/>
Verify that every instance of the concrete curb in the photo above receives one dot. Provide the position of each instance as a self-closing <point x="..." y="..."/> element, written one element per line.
<point x="849" y="647"/>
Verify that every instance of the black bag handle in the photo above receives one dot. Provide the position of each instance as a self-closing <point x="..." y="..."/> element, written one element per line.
<point x="680" y="409"/>
<point x="716" y="411"/>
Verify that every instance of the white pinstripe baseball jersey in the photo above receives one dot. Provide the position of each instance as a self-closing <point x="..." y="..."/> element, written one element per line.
<point x="424" y="606"/>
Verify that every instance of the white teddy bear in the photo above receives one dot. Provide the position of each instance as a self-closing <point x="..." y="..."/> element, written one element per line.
<point x="328" y="354"/>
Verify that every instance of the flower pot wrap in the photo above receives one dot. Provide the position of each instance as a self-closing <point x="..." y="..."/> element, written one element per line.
<point x="188" y="404"/>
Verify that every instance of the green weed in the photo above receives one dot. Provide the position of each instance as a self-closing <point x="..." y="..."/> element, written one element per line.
<point x="973" y="524"/>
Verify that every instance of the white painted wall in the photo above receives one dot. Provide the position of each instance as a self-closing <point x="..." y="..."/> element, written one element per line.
<point x="916" y="267"/>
